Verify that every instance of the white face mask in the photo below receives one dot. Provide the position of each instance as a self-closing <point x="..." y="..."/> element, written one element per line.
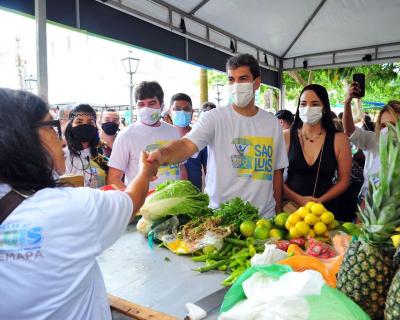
<point x="148" y="115"/>
<point x="310" y="115"/>
<point x="241" y="93"/>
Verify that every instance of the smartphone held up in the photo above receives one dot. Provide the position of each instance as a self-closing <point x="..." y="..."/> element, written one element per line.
<point x="360" y="79"/>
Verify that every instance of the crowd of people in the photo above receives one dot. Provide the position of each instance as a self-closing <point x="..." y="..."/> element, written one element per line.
<point x="52" y="233"/>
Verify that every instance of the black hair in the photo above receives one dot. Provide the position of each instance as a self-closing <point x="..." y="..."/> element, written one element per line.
<point x="25" y="164"/>
<point x="110" y="110"/>
<point x="244" y="60"/>
<point x="207" y="106"/>
<point x="326" y="121"/>
<point x="75" y="146"/>
<point x="368" y="125"/>
<point x="149" y="89"/>
<point x="340" y="115"/>
<point x="180" y="96"/>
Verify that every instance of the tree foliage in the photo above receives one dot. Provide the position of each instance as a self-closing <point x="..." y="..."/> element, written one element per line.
<point x="382" y="82"/>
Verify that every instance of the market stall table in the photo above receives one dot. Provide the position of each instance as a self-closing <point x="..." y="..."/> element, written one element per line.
<point x="155" y="278"/>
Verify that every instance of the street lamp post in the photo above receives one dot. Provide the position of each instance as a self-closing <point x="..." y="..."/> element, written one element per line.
<point x="218" y="88"/>
<point x="30" y="83"/>
<point x="130" y="64"/>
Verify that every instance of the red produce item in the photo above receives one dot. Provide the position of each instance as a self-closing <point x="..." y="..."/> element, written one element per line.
<point x="320" y="249"/>
<point x="300" y="242"/>
<point x="282" y="245"/>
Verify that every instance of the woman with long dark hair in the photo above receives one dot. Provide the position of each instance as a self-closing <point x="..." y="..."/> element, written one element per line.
<point x="81" y="154"/>
<point x="50" y="235"/>
<point x="316" y="152"/>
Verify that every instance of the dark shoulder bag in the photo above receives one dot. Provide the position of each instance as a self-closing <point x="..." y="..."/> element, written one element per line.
<point x="9" y="202"/>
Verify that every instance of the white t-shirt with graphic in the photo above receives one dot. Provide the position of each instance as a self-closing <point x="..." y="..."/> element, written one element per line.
<point x="48" y="249"/>
<point x="243" y="153"/>
<point x="93" y="175"/>
<point x="137" y="138"/>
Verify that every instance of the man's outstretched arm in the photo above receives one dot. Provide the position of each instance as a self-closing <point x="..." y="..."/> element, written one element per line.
<point x="174" y="152"/>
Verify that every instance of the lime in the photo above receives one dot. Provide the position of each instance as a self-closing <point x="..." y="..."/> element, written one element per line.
<point x="333" y="225"/>
<point x="293" y="233"/>
<point x="320" y="228"/>
<point x="317" y="209"/>
<point x="280" y="219"/>
<point x="310" y="204"/>
<point x="247" y="228"/>
<point x="261" y="232"/>
<point x="294" y="218"/>
<point x="311" y="219"/>
<point x="302" y="228"/>
<point x="351" y="228"/>
<point x="327" y="217"/>
<point x="276" y="233"/>
<point x="302" y="212"/>
<point x="264" y="223"/>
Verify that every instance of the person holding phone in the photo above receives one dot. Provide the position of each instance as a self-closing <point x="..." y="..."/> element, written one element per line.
<point x="366" y="140"/>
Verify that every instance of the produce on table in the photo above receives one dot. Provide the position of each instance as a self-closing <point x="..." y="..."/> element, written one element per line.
<point x="277" y="234"/>
<point x="264" y="223"/>
<point x="333" y="264"/>
<point x="392" y="310"/>
<point x="174" y="197"/>
<point x="352" y="229"/>
<point x="234" y="258"/>
<point x="235" y="211"/>
<point x="280" y="219"/>
<point x="302" y="263"/>
<point x="215" y="225"/>
<point x="367" y="269"/>
<point x="144" y="226"/>
<point x="320" y="249"/>
<point x="312" y="220"/>
<point x="247" y="228"/>
<point x="261" y="232"/>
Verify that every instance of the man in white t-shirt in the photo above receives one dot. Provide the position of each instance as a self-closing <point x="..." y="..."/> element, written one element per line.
<point x="148" y="134"/>
<point x="245" y="144"/>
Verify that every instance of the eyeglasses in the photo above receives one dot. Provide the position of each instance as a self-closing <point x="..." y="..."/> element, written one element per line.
<point x="52" y="123"/>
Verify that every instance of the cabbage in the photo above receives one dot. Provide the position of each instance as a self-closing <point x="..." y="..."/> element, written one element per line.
<point x="173" y="198"/>
<point x="144" y="226"/>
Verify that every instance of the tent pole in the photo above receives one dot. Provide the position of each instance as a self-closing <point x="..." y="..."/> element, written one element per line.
<point x="41" y="48"/>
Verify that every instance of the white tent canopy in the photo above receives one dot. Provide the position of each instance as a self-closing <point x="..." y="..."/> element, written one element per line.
<point x="285" y="33"/>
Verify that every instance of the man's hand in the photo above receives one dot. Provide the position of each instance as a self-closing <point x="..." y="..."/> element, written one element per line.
<point x="148" y="168"/>
<point x="155" y="156"/>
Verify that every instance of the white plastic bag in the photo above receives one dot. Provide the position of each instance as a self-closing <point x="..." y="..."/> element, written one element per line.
<point x="276" y="299"/>
<point x="270" y="255"/>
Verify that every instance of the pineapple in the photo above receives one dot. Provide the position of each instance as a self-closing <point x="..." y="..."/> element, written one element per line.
<point x="367" y="269"/>
<point x="392" y="310"/>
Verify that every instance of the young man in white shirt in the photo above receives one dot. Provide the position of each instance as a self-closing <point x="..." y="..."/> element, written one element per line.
<point x="245" y="144"/>
<point x="147" y="134"/>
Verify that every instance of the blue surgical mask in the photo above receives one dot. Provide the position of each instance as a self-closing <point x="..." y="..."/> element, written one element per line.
<point x="181" y="118"/>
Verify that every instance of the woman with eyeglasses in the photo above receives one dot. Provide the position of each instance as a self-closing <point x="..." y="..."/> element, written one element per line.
<point x="50" y="235"/>
<point x="81" y="154"/>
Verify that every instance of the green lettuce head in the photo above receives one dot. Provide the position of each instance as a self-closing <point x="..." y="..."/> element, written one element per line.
<point x="174" y="197"/>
